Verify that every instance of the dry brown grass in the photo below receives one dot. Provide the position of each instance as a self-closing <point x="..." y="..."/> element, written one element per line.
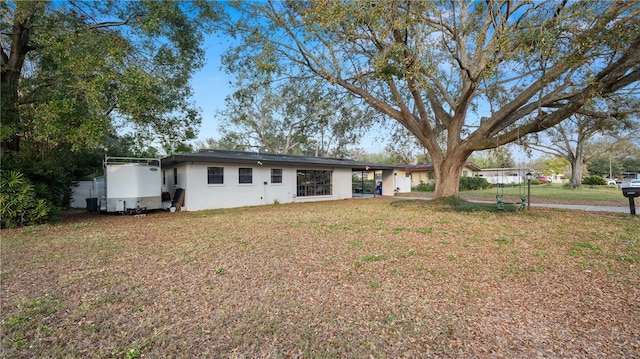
<point x="354" y="278"/>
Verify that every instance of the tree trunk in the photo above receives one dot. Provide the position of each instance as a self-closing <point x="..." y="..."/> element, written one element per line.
<point x="576" y="173"/>
<point x="448" y="174"/>
<point x="12" y="64"/>
<point x="577" y="162"/>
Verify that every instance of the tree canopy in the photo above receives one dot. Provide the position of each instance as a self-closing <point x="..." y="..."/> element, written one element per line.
<point x="294" y="117"/>
<point x="460" y="76"/>
<point x="570" y="138"/>
<point x="77" y="75"/>
<point x="614" y="157"/>
<point x="75" y="71"/>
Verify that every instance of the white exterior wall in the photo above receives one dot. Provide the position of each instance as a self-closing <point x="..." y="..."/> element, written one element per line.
<point x="86" y="189"/>
<point x="402" y="182"/>
<point x="388" y="183"/>
<point x="199" y="195"/>
<point x="80" y="193"/>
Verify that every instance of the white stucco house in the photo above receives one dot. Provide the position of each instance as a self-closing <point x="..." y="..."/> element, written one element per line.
<point x="214" y="179"/>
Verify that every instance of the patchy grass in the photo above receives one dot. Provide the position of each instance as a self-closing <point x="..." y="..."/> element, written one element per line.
<point x="355" y="278"/>
<point x="548" y="193"/>
<point x="455" y="204"/>
<point x="30" y="322"/>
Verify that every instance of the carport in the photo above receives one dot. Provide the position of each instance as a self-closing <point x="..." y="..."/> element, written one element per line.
<point x="387" y="178"/>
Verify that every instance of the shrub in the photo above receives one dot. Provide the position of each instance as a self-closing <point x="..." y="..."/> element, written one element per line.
<point x="19" y="205"/>
<point x="473" y="183"/>
<point x="425" y="187"/>
<point x="594" y="181"/>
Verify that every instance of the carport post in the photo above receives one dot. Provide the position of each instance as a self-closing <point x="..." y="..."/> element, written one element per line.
<point x="374" y="183"/>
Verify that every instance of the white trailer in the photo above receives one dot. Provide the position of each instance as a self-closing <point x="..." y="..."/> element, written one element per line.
<point x="132" y="185"/>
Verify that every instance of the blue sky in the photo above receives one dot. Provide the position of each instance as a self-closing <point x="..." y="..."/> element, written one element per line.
<point x="211" y="86"/>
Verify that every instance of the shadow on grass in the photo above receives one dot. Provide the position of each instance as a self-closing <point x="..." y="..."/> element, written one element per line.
<point x="455" y="204"/>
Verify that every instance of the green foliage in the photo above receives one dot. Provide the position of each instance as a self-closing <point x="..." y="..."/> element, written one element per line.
<point x="403" y="148"/>
<point x="594" y="181"/>
<point x="19" y="205"/>
<point x="356" y="244"/>
<point x="473" y="183"/>
<point x="295" y="117"/>
<point x="504" y="240"/>
<point x="52" y="172"/>
<point x="480" y="159"/>
<point x="133" y="353"/>
<point x="466" y="183"/>
<point x="500" y="157"/>
<point x="96" y="70"/>
<point x="601" y="165"/>
<point x="550" y="164"/>
<point x="425" y="187"/>
<point x="623" y="155"/>
<point x="221" y="271"/>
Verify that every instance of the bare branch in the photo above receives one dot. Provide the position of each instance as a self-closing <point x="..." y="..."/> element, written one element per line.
<point x="109" y="24"/>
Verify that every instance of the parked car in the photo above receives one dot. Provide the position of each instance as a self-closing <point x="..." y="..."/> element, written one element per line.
<point x="544" y="179"/>
<point x="634" y="183"/>
<point x="611" y="182"/>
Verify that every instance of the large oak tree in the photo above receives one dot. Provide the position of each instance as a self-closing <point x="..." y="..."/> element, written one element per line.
<point x="461" y="76"/>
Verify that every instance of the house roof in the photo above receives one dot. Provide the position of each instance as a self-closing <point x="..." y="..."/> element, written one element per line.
<point x="426" y="168"/>
<point x="271" y="159"/>
<point x="418" y="168"/>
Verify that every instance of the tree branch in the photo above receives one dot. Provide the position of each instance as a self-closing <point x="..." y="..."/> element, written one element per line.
<point x="110" y="23"/>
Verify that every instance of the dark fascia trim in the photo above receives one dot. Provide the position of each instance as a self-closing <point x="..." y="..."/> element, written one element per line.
<point x="252" y="158"/>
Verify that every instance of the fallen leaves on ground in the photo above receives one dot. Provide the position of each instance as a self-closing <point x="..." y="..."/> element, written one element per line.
<point x="354" y="278"/>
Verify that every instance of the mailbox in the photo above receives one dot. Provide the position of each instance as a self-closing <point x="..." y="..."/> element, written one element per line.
<point x="631" y="193"/>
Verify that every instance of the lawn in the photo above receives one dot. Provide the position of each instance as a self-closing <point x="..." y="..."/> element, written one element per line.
<point x="376" y="278"/>
<point x="549" y="193"/>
